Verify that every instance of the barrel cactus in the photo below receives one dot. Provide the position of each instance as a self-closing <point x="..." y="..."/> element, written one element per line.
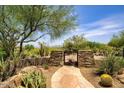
<point x="106" y="80"/>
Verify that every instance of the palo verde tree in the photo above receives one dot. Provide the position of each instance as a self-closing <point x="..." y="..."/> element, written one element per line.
<point x="23" y="22"/>
<point x="49" y="20"/>
<point x="75" y="43"/>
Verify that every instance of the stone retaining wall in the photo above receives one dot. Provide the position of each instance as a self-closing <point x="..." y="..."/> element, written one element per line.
<point x="85" y="58"/>
<point x="32" y="62"/>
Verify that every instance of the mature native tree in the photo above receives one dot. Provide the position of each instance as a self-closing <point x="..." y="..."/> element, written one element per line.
<point x="49" y="20"/>
<point x="23" y="22"/>
<point x="75" y="43"/>
<point x="8" y="31"/>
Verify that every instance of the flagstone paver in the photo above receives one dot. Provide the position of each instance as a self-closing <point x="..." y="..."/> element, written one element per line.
<point x="69" y="77"/>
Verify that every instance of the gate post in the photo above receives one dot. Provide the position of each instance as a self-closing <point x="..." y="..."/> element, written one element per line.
<point x="123" y="52"/>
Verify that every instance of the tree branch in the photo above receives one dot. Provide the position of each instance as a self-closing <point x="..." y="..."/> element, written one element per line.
<point x="34" y="40"/>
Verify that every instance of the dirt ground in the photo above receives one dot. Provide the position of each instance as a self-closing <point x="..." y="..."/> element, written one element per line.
<point x="88" y="73"/>
<point x="48" y="74"/>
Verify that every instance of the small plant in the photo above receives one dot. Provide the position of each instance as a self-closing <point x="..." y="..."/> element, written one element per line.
<point x="34" y="80"/>
<point x="45" y="66"/>
<point x="106" y="80"/>
<point x="4" y="66"/>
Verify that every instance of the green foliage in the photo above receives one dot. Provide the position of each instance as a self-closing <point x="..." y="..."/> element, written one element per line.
<point x="98" y="47"/>
<point x="55" y="48"/>
<point x="79" y="42"/>
<point x="29" y="47"/>
<point x="2" y="54"/>
<point x="3" y="65"/>
<point x="75" y="43"/>
<point x="34" y="80"/>
<point x="44" y="49"/>
<point x="7" y="68"/>
<point x="31" y="53"/>
<point x="45" y="66"/>
<point x="117" y="40"/>
<point x="106" y="80"/>
<point x="24" y="24"/>
<point x="111" y="65"/>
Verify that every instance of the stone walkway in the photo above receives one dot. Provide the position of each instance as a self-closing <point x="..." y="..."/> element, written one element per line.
<point x="69" y="77"/>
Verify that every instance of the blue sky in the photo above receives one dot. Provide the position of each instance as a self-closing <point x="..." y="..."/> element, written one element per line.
<point x="97" y="23"/>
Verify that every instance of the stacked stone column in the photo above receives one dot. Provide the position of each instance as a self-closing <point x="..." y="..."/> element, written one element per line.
<point x="56" y="58"/>
<point x="85" y="58"/>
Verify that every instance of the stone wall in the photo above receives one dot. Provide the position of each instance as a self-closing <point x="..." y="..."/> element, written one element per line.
<point x="85" y="58"/>
<point x="56" y="58"/>
<point x="32" y="62"/>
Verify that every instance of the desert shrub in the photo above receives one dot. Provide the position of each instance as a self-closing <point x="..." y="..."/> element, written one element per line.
<point x="31" y="53"/>
<point x="75" y="43"/>
<point x="106" y="80"/>
<point x="8" y="68"/>
<point x="111" y="65"/>
<point x="4" y="66"/>
<point x="2" y="54"/>
<point x="33" y="80"/>
<point x="29" y="47"/>
<point x="45" y="66"/>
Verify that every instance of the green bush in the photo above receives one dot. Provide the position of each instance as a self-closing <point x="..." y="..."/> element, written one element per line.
<point x="31" y="53"/>
<point x="111" y="65"/>
<point x="8" y="68"/>
<point x="4" y="67"/>
<point x="29" y="47"/>
<point x="34" y="80"/>
<point x="2" y="54"/>
<point x="45" y="66"/>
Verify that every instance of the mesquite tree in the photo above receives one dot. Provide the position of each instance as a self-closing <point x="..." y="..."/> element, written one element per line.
<point x="23" y="22"/>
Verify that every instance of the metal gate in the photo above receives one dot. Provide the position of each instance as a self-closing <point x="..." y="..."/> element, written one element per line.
<point x="71" y="58"/>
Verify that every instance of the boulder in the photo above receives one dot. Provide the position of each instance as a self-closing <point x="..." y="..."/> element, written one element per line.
<point x="121" y="78"/>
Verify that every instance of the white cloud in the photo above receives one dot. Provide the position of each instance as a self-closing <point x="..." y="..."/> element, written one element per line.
<point x="109" y="25"/>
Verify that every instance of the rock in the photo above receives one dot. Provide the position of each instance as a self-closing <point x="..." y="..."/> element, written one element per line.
<point x="11" y="82"/>
<point x="121" y="78"/>
<point x="29" y="69"/>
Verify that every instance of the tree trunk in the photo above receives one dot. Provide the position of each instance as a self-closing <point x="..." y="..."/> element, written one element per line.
<point x="20" y="48"/>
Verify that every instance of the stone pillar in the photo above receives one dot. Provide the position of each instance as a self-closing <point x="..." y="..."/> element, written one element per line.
<point x="85" y="58"/>
<point x="56" y="58"/>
